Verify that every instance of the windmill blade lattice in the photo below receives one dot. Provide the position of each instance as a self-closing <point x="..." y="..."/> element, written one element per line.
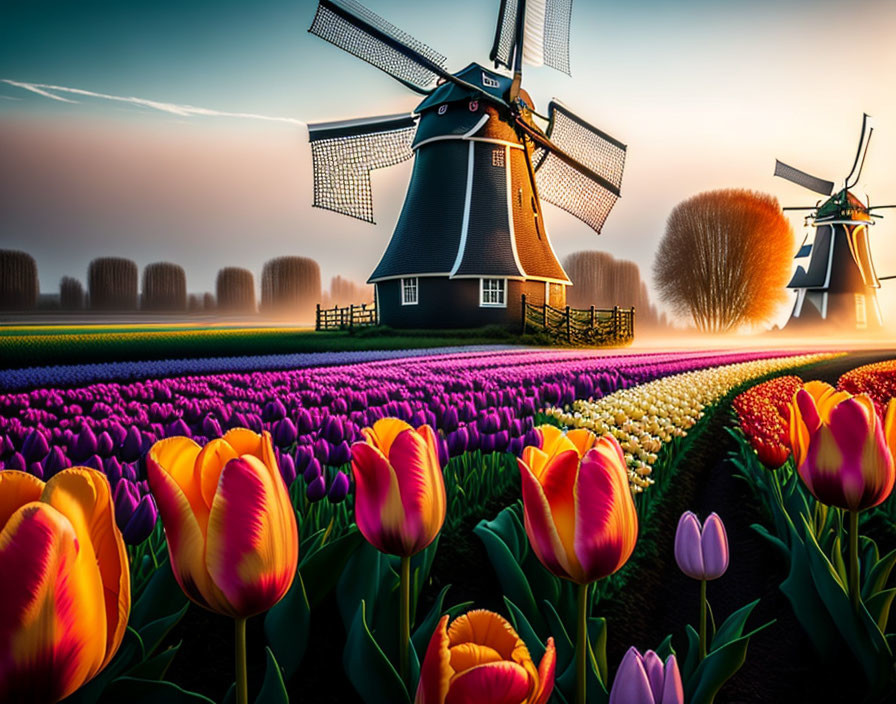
<point x="362" y="33"/>
<point x="579" y="193"/>
<point x="801" y="178"/>
<point x="344" y="153"/>
<point x="555" y="33"/>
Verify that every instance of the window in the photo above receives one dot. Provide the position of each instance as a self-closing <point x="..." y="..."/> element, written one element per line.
<point x="409" y="292"/>
<point x="498" y="157"/>
<point x="493" y="292"/>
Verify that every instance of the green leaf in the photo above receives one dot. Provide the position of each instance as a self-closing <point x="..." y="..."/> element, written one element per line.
<point x="273" y="689"/>
<point x="733" y="627"/>
<point x="566" y="649"/>
<point x="287" y="624"/>
<point x="135" y="690"/>
<point x="692" y="655"/>
<point x="716" y="668"/>
<point x="597" y="644"/>
<point x="155" y="667"/>
<point x="320" y="571"/>
<point x="368" y="668"/>
<point x="525" y="631"/>
<point x="161" y="597"/>
<point x="665" y="649"/>
<point x="878" y="574"/>
<point x="879" y="607"/>
<point x="779" y="544"/>
<point x="514" y="583"/>
<point x="153" y="633"/>
<point x="421" y="636"/>
<point x="360" y="581"/>
<point x="837" y="560"/>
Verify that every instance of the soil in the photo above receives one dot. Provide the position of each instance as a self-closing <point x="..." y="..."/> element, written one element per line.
<point x="780" y="664"/>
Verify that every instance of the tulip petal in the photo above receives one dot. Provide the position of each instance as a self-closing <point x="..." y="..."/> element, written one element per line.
<point x="45" y="651"/>
<point x="244" y="441"/>
<point x="539" y="523"/>
<point x="546" y="673"/>
<point x="176" y="457"/>
<point x="249" y="553"/>
<point x="890" y="427"/>
<point x="384" y="432"/>
<point x="606" y="525"/>
<point x="208" y="466"/>
<point x="487" y="628"/>
<point x="436" y="672"/>
<point x="83" y="496"/>
<point x="582" y="439"/>
<point x="688" y="550"/>
<point x="714" y="547"/>
<point x="653" y="666"/>
<point x="379" y="512"/>
<point x="673" y="691"/>
<point x="467" y="655"/>
<point x="631" y="685"/>
<point x="17" y="489"/>
<point x="495" y="683"/>
<point x="185" y="536"/>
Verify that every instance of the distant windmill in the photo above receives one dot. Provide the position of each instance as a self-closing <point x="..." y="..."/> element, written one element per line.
<point x="471" y="237"/>
<point x="839" y="285"/>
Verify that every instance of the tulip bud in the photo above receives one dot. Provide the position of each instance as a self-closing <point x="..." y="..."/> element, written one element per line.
<point x="340" y="454"/>
<point x="287" y="469"/>
<point x="55" y="462"/>
<point x="35" y="447"/>
<point x="644" y="679"/>
<point x="312" y="471"/>
<point x="317" y="489"/>
<point x="84" y="445"/>
<point x="333" y="431"/>
<point x="303" y="456"/>
<point x="104" y="444"/>
<point x="142" y="521"/>
<point x="701" y="551"/>
<point x="132" y="447"/>
<point x="339" y="488"/>
<point x="322" y="451"/>
<point x="284" y="433"/>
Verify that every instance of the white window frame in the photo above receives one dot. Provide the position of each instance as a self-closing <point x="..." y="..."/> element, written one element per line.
<point x="491" y="304"/>
<point x="411" y="283"/>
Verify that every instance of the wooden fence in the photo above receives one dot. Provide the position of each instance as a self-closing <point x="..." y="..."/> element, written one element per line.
<point x="337" y="318"/>
<point x="589" y="326"/>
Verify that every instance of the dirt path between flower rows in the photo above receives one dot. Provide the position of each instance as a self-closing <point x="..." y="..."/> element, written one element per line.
<point x="780" y="665"/>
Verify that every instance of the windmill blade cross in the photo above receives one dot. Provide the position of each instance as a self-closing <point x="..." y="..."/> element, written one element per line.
<point x="861" y="152"/>
<point x="801" y="178"/>
<point x="545" y="33"/>
<point x="344" y="153"/>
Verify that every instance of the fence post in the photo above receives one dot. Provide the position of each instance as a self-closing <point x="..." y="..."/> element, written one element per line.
<point x="568" y="329"/>
<point x="317" y="317"/>
<point x="592" y="317"/>
<point x="351" y="317"/>
<point x="544" y="316"/>
<point x="523" y="308"/>
<point x="616" y="322"/>
<point x="632" y="324"/>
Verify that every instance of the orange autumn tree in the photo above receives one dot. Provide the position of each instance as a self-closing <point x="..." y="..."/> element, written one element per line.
<point x="725" y="259"/>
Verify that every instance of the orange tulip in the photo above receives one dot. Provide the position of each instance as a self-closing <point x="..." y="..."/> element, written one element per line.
<point x="400" y="499"/>
<point x="844" y="454"/>
<point x="578" y="508"/>
<point x="480" y="659"/>
<point x="65" y="595"/>
<point x="231" y="528"/>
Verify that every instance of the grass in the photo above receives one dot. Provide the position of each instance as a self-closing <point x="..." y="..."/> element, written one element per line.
<point x="25" y="346"/>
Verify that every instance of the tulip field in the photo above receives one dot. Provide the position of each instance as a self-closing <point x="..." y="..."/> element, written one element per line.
<point x="491" y="526"/>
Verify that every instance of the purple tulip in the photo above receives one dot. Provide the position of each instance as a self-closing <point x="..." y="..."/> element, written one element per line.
<point x="340" y="454"/>
<point x="287" y="469"/>
<point x="84" y="445"/>
<point x="104" y="444"/>
<point x="322" y="451"/>
<point x="125" y="497"/>
<point x="644" y="679"/>
<point x="211" y="427"/>
<point x="312" y="471"/>
<point x="701" y="551"/>
<point x="333" y="430"/>
<point x="457" y="442"/>
<point x="303" y="456"/>
<point x="94" y="462"/>
<point x="35" y="447"/>
<point x="317" y="489"/>
<point x="284" y="433"/>
<point x="178" y="428"/>
<point x="338" y="489"/>
<point x="132" y="446"/>
<point x="55" y="462"/>
<point x="113" y="470"/>
<point x="142" y="521"/>
<point x="273" y="411"/>
<point x="304" y="423"/>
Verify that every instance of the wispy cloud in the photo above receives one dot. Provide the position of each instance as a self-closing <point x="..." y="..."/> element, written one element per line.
<point x="53" y="92"/>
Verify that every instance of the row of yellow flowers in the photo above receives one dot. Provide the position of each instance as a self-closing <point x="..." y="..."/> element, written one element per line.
<point x="647" y="416"/>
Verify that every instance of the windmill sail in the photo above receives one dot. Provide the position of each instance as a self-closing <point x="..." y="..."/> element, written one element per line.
<point x="801" y="178"/>
<point x="545" y="33"/>
<point x="344" y="153"/>
<point x="585" y="175"/>
<point x="362" y="33"/>
<point x="861" y="153"/>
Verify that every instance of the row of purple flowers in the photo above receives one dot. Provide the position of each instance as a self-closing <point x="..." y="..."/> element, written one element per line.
<point x="484" y="400"/>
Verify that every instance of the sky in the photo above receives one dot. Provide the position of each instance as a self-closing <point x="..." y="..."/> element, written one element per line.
<point x="198" y="152"/>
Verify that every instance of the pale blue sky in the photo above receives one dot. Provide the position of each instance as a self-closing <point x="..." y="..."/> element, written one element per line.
<point x="706" y="95"/>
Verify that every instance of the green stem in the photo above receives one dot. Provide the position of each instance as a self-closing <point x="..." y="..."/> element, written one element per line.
<point x="582" y="645"/>
<point x="702" y="618"/>
<point x="405" y="616"/>
<point x="854" y="559"/>
<point x="242" y="680"/>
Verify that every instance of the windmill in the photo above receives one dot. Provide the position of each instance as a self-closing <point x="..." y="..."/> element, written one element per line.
<point x="471" y="238"/>
<point x="835" y="281"/>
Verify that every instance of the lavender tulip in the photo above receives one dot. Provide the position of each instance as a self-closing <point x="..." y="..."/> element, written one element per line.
<point x="701" y="551"/>
<point x="644" y="679"/>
